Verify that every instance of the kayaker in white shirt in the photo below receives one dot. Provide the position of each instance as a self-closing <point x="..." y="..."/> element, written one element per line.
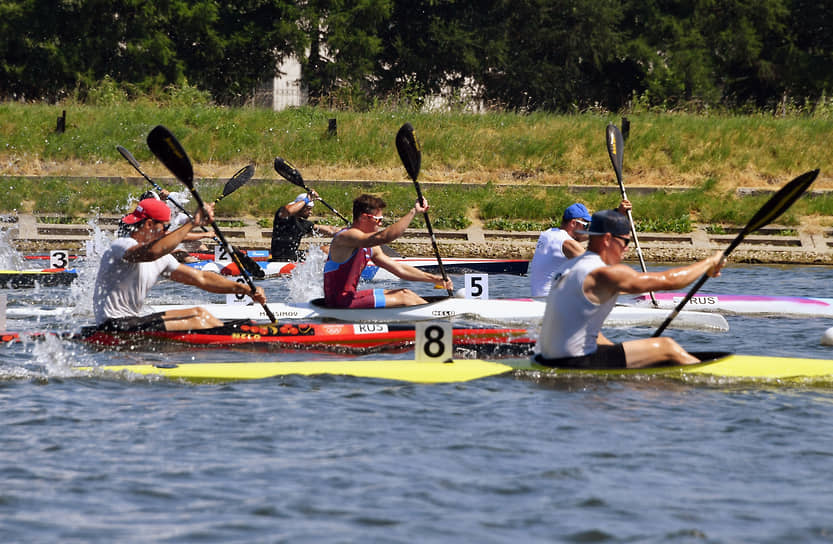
<point x="558" y="244"/>
<point x="137" y="260"/>
<point x="585" y="291"/>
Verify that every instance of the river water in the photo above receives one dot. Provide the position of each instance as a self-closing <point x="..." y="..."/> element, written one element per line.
<point x="338" y="459"/>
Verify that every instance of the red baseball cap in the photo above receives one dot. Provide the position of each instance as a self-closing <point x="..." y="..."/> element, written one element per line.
<point x="149" y="208"/>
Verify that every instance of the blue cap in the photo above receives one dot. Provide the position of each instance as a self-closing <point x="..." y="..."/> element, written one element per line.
<point x="608" y="221"/>
<point x="576" y="211"/>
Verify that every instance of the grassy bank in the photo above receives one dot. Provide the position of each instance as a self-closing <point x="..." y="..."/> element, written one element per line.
<point x="710" y="154"/>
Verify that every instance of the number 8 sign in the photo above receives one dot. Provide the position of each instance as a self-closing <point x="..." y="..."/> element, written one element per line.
<point x="434" y="342"/>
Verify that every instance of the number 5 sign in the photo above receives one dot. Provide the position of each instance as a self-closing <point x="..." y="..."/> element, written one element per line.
<point x="434" y="342"/>
<point x="477" y="286"/>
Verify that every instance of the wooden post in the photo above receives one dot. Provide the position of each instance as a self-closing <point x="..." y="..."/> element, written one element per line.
<point x="62" y="123"/>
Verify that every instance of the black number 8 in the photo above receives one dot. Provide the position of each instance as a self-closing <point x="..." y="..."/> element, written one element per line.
<point x="434" y="347"/>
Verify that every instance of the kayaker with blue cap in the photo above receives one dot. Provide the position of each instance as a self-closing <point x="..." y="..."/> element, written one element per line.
<point x="558" y="244"/>
<point x="139" y="258"/>
<point x="585" y="291"/>
<point x="291" y="223"/>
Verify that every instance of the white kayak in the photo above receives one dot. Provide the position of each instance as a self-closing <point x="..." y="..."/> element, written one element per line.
<point x="506" y="311"/>
<point x="273" y="269"/>
<point x="760" y="305"/>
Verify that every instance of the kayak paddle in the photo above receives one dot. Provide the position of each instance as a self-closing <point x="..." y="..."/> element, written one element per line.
<point x="615" y="148"/>
<point x="291" y="174"/>
<point x="411" y="156"/>
<point x="167" y="149"/>
<point x="235" y="182"/>
<point x="775" y="206"/>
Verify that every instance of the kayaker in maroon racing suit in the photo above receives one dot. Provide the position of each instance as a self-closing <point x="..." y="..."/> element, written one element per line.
<point x="136" y="260"/>
<point x="353" y="247"/>
<point x="585" y="291"/>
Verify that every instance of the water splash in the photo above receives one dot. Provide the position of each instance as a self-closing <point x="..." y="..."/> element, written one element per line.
<point x="307" y="279"/>
<point x="10" y="258"/>
<point x="81" y="290"/>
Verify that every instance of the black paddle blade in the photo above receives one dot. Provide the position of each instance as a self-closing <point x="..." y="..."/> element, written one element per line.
<point x="289" y="172"/>
<point x="249" y="264"/>
<point x="167" y="149"/>
<point x="777" y="204"/>
<point x="238" y="180"/>
<point x="615" y="148"/>
<point x="409" y="152"/>
<point x="129" y="156"/>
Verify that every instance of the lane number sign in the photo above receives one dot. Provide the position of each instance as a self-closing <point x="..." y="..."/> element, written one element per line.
<point x="434" y="342"/>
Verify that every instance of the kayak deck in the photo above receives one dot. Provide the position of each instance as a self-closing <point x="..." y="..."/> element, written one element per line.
<point x="460" y="370"/>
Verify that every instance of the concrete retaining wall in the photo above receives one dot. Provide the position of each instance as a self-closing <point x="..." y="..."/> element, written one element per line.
<point x="31" y="233"/>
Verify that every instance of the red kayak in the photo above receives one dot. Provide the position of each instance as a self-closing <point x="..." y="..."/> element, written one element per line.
<point x="338" y="337"/>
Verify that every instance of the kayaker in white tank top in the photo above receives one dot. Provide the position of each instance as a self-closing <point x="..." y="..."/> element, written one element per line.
<point x="584" y="295"/>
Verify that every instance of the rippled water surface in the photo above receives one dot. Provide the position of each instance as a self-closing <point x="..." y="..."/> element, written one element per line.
<point x="336" y="459"/>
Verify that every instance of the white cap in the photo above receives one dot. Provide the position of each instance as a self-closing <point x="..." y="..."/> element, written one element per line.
<point x="305" y="198"/>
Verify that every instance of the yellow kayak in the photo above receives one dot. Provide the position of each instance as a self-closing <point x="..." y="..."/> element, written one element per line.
<point x="459" y="370"/>
<point x="724" y="365"/>
<point x="731" y="366"/>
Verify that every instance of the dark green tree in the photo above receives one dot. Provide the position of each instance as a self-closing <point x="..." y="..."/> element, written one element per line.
<point x="343" y="43"/>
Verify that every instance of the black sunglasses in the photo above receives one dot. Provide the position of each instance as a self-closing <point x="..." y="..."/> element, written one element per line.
<point x="626" y="240"/>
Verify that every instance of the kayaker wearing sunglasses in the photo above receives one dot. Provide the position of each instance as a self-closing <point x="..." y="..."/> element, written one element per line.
<point x="353" y="247"/>
<point x="585" y="291"/>
<point x="139" y="258"/>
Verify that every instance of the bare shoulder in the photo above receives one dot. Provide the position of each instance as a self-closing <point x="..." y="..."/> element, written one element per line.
<point x="613" y="273"/>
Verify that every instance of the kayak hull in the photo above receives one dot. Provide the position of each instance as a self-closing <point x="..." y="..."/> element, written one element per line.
<point x="27" y="279"/>
<point x="728" y="365"/>
<point x="505" y="311"/>
<point x="752" y="305"/>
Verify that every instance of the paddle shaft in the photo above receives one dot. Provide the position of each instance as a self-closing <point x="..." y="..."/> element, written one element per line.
<point x="615" y="148"/>
<point x="433" y="239"/>
<point x="236" y="258"/>
<point x="168" y="149"/>
<point x="408" y="148"/>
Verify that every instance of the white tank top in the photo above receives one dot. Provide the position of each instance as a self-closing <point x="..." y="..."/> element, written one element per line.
<point x="547" y="260"/>
<point x="120" y="286"/>
<point x="572" y="323"/>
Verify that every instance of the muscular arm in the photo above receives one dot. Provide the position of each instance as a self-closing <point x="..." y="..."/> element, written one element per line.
<point x="159" y="248"/>
<point x="326" y="229"/>
<point x="353" y="238"/>
<point x="406" y="272"/>
<point x="213" y="283"/>
<point x="571" y="248"/>
<point x="603" y="283"/>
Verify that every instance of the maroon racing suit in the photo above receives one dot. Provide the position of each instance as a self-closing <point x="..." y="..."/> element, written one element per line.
<point x="341" y="280"/>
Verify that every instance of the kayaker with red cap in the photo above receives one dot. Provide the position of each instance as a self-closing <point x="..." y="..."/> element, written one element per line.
<point x="585" y="291"/>
<point x="138" y="258"/>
